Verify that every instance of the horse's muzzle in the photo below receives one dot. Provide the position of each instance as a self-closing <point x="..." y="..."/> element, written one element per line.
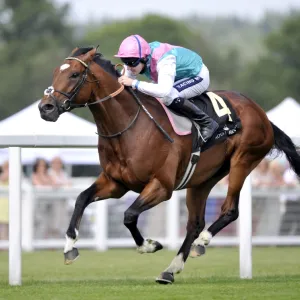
<point x="49" y="111"/>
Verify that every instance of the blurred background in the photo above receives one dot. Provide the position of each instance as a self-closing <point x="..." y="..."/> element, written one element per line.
<point x="248" y="46"/>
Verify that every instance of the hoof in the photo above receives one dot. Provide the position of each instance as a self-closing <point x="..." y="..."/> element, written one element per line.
<point x="165" y="278"/>
<point x="149" y="246"/>
<point x="158" y="246"/>
<point x="71" y="256"/>
<point x="197" y="250"/>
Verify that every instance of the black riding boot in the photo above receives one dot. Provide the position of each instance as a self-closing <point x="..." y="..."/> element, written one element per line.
<point x="208" y="126"/>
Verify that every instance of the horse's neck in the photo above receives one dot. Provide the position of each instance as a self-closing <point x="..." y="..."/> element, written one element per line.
<point x="114" y="115"/>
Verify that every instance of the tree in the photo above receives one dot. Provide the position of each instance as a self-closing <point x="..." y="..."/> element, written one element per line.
<point x="275" y="75"/>
<point x="34" y="35"/>
<point x="152" y="28"/>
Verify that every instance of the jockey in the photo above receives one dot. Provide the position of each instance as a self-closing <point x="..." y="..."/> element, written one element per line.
<point x="177" y="74"/>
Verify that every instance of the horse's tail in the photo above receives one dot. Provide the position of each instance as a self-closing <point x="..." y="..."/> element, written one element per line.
<point x="283" y="143"/>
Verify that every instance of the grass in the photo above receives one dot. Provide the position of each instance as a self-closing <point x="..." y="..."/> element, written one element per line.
<point x="124" y="274"/>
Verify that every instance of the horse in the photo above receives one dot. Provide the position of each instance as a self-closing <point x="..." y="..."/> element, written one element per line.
<point x="135" y="155"/>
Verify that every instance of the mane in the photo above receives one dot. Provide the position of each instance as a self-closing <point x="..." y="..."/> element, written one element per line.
<point x="99" y="59"/>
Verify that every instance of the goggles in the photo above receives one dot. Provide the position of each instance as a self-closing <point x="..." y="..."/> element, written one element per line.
<point x="131" y="61"/>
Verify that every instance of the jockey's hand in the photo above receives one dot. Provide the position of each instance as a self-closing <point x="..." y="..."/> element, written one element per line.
<point x="125" y="80"/>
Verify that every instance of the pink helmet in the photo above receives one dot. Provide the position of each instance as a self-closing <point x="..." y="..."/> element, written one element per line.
<point x="134" y="46"/>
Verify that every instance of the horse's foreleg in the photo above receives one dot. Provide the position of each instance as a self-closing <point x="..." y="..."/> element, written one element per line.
<point x="153" y="194"/>
<point x="101" y="189"/>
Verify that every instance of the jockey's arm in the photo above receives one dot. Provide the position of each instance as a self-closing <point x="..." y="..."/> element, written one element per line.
<point x="166" y="70"/>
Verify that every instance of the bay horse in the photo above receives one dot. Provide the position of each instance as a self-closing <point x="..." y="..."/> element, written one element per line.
<point x="136" y="156"/>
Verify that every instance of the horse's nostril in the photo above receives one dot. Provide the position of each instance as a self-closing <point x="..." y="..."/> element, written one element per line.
<point x="48" y="107"/>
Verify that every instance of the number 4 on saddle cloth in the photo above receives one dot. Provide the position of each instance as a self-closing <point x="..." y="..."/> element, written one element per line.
<point x="217" y="108"/>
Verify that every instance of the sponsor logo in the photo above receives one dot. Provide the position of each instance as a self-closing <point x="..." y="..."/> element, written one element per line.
<point x="188" y="83"/>
<point x="219" y="135"/>
<point x="183" y="84"/>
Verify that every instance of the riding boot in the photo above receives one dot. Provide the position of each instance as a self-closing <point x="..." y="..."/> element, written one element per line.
<point x="208" y="126"/>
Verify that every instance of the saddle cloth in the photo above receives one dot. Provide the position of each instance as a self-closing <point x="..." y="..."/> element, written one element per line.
<point x="218" y="109"/>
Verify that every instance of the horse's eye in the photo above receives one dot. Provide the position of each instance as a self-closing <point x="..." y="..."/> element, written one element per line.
<point x="75" y="75"/>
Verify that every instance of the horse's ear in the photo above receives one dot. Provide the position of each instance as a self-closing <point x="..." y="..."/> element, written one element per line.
<point x="89" y="55"/>
<point x="73" y="51"/>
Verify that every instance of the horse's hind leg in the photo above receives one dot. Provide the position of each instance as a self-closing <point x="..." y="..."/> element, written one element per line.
<point x="239" y="170"/>
<point x="196" y="203"/>
<point x="101" y="189"/>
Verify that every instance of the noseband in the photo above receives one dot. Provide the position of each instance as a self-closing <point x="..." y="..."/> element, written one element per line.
<point x="68" y="103"/>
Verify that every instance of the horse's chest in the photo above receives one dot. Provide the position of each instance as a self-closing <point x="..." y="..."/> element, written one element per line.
<point x="125" y="174"/>
<point x="131" y="170"/>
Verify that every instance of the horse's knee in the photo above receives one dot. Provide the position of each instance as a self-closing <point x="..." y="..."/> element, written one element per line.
<point x="130" y="217"/>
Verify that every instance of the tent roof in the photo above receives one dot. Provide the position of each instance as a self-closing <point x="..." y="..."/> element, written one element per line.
<point x="28" y="121"/>
<point x="286" y="115"/>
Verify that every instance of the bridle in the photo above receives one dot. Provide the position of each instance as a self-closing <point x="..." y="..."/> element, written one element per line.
<point x="68" y="103"/>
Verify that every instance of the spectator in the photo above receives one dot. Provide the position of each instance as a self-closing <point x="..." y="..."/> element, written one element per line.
<point x="58" y="176"/>
<point x="276" y="170"/>
<point x="271" y="211"/>
<point x="59" y="206"/>
<point x="40" y="175"/>
<point x="4" y="203"/>
<point x="261" y="176"/>
<point x="291" y="216"/>
<point x="44" y="218"/>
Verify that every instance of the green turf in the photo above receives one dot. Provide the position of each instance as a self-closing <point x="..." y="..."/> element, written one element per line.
<point x="125" y="274"/>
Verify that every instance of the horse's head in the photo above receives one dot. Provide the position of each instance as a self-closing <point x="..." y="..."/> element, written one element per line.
<point x="71" y="86"/>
